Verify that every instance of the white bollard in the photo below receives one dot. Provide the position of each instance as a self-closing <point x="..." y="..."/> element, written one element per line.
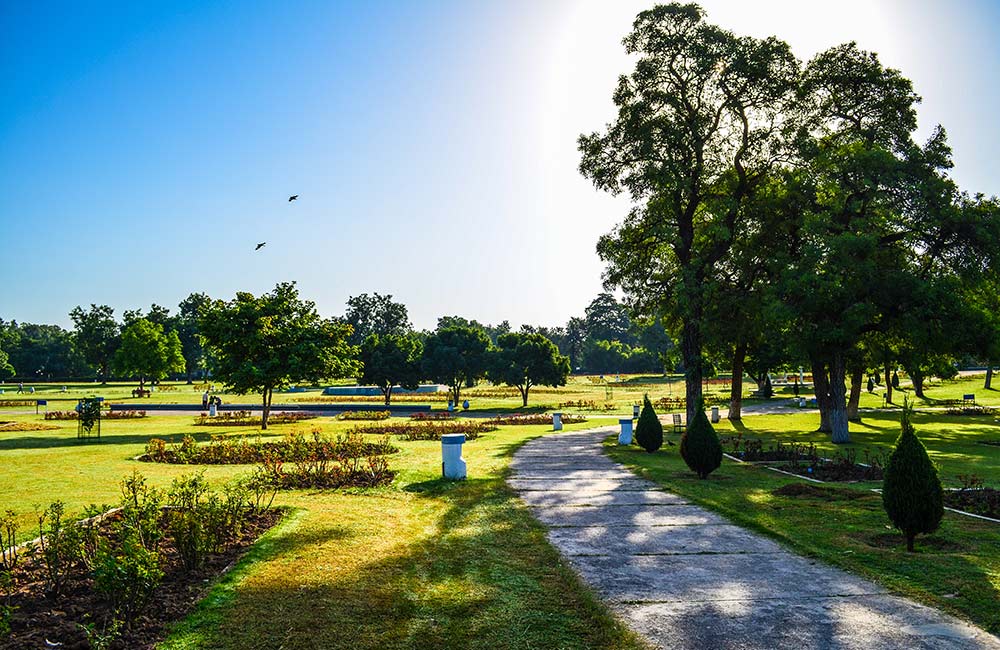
<point x="211" y="410"/>
<point x="625" y="437"/>
<point x="635" y="410"/>
<point x="557" y="421"/>
<point x="715" y="415"/>
<point x="452" y="463"/>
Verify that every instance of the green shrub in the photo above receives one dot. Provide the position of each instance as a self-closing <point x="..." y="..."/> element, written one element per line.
<point x="700" y="447"/>
<point x="127" y="576"/>
<point x="911" y="490"/>
<point x="649" y="431"/>
<point x="59" y="546"/>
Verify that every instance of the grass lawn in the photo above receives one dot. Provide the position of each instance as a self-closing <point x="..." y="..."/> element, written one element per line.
<point x="956" y="569"/>
<point x="423" y="563"/>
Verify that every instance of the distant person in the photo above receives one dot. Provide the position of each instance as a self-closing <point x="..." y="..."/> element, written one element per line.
<point x="20" y="387"/>
<point x="204" y="400"/>
<point x="31" y="389"/>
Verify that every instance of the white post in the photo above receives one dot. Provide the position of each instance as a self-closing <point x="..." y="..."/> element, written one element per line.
<point x="211" y="410"/>
<point x="625" y="437"/>
<point x="452" y="463"/>
<point x="715" y="415"/>
<point x="557" y="421"/>
<point x="635" y="410"/>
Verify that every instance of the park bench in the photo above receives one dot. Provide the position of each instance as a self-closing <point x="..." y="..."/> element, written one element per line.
<point x="969" y="399"/>
<point x="138" y="392"/>
<point x="678" y="424"/>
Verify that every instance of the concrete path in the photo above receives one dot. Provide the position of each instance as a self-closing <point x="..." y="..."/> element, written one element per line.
<point x="684" y="577"/>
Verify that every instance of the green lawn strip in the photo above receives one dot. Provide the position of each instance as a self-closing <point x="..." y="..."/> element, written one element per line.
<point x="957" y="569"/>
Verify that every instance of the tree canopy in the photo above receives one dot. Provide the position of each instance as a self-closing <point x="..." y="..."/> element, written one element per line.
<point x="526" y="360"/>
<point x="390" y="360"/>
<point x="147" y="352"/>
<point x="456" y="356"/>
<point x="375" y="314"/>
<point x="262" y="344"/>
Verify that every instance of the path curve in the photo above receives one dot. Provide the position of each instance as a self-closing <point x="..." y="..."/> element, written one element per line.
<point x="685" y="578"/>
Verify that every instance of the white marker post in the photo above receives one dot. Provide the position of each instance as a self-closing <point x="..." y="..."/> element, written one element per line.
<point x="452" y="463"/>
<point x="557" y="421"/>
<point x="635" y="411"/>
<point x="625" y="437"/>
<point x="715" y="415"/>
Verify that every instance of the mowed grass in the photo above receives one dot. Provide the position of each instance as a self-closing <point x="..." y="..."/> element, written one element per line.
<point x="423" y="563"/>
<point x="956" y="569"/>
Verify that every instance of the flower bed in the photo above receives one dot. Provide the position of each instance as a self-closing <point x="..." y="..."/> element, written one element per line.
<point x="587" y="405"/>
<point x="223" y="450"/>
<point x="94" y="583"/>
<point x="972" y="410"/>
<point x="843" y="467"/>
<point x="429" y="430"/>
<point x="752" y="450"/>
<point x="535" y="418"/>
<point x="17" y="402"/>
<point x="981" y="501"/>
<point x="365" y="415"/>
<point x="110" y="415"/>
<point x="26" y="426"/>
<point x="435" y="416"/>
<point x="246" y="419"/>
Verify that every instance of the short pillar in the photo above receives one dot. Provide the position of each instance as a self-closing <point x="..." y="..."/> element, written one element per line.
<point x="635" y="410"/>
<point x="451" y="406"/>
<point x="557" y="421"/>
<point x="211" y="410"/>
<point x="715" y="415"/>
<point x="625" y="437"/>
<point x="452" y="463"/>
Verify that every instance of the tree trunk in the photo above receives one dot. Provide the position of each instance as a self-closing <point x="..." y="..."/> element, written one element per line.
<point x="822" y="387"/>
<point x="266" y="410"/>
<point x="387" y="392"/>
<point x="142" y="384"/>
<point x="917" y="376"/>
<point x="736" y="390"/>
<point x="857" y="377"/>
<point x="909" y="541"/>
<point x="456" y="390"/>
<point x="839" y="431"/>
<point x="524" y="395"/>
<point x="888" y="384"/>
<point x="691" y="353"/>
<point x="989" y="378"/>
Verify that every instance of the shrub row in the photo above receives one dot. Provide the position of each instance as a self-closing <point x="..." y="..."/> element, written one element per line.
<point x="534" y="418"/>
<point x="246" y="419"/>
<point x="110" y="415"/>
<point x="365" y="415"/>
<point x="223" y="450"/>
<point x="428" y="430"/>
<point x="587" y="405"/>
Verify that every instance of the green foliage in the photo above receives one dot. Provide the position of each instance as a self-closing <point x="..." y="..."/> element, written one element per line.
<point x="186" y="324"/>
<point x="376" y="314"/>
<point x="526" y="360"/>
<point x="700" y="446"/>
<point x="127" y="574"/>
<point x="140" y="511"/>
<point x="59" y="546"/>
<point x="391" y="359"/>
<point x="89" y="414"/>
<point x="147" y="353"/>
<point x="6" y="370"/>
<point x="262" y="344"/>
<point x="911" y="490"/>
<point x="456" y="356"/>
<point x="187" y="523"/>
<point x="649" y="429"/>
<point x="96" y="336"/>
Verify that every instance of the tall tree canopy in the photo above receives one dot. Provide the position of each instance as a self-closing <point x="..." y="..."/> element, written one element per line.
<point x="389" y="360"/>
<point x="376" y="314"/>
<point x="456" y="356"/>
<point x="526" y="360"/>
<point x="147" y="352"/>
<point x="96" y="334"/>
<point x="187" y="320"/>
<point x="262" y="344"/>
<point x="701" y="121"/>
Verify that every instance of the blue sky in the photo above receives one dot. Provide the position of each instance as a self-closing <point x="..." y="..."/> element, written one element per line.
<point x="145" y="148"/>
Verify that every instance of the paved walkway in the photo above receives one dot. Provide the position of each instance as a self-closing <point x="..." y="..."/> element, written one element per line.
<point x="684" y="577"/>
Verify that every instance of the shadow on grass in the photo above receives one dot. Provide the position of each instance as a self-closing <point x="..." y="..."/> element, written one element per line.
<point x="67" y="438"/>
<point x="482" y="576"/>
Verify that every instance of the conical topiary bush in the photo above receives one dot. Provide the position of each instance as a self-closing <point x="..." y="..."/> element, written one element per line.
<point x="911" y="489"/>
<point x="700" y="447"/>
<point x="649" y="431"/>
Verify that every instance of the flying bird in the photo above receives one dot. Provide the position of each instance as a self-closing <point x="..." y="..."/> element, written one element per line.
<point x="293" y="197"/>
<point x="260" y="245"/>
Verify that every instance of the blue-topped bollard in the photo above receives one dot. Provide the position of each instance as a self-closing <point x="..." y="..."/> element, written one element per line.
<point x="625" y="437"/>
<point x="557" y="421"/>
<point x="451" y="406"/>
<point x="452" y="463"/>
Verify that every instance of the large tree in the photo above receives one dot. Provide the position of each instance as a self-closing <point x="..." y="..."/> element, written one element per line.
<point x="97" y="337"/>
<point x="390" y="360"/>
<point x="262" y="344"/>
<point x="456" y="356"/>
<point x="6" y="370"/>
<point x="608" y="320"/>
<point x="701" y="121"/>
<point x="42" y="352"/>
<point x="187" y="321"/>
<point x="375" y="314"/>
<point x="526" y="360"/>
<point x="147" y="352"/>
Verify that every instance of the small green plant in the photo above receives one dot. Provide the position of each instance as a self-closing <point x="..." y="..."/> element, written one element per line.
<point x="700" y="447"/>
<point x="104" y="638"/>
<point x="911" y="490"/>
<point x="59" y="545"/>
<point x="8" y="541"/>
<point x="649" y="430"/>
<point x="141" y="506"/>
<point x="127" y="576"/>
<point x="185" y="520"/>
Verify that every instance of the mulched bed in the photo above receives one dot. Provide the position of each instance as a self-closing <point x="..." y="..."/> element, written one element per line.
<point x="978" y="501"/>
<point x="836" y="471"/>
<point x="809" y="491"/>
<point x="41" y="621"/>
<point x="752" y="450"/>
